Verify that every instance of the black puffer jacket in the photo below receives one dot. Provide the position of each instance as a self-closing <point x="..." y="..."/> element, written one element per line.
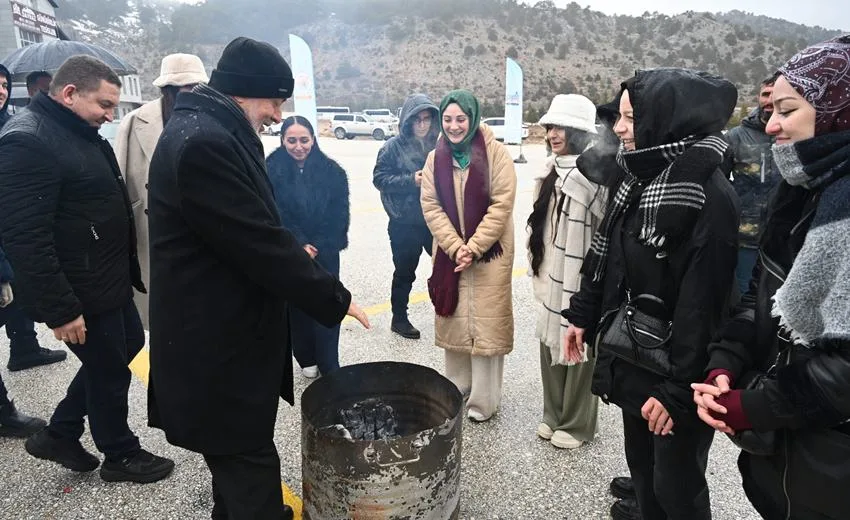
<point x="65" y="216"/>
<point x="400" y="158"/>
<point x="694" y="280"/>
<point x="754" y="174"/>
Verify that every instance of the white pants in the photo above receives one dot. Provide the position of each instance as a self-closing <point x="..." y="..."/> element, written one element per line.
<point x="479" y="377"/>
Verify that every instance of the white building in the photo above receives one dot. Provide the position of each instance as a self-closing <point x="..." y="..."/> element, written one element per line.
<point x="131" y="95"/>
<point x="25" y="22"/>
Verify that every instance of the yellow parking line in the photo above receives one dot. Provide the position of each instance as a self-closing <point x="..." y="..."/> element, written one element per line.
<point x="141" y="365"/>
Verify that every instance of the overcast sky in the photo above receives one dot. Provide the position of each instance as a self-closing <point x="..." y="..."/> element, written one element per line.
<point x="831" y="14"/>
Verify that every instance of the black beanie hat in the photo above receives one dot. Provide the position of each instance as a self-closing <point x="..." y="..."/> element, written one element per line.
<point x="252" y="69"/>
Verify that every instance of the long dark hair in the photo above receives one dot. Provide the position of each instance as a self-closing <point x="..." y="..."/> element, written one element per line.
<point x="169" y="98"/>
<point x="577" y="141"/>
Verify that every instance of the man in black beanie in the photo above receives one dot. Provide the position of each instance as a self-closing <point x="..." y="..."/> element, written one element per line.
<point x="222" y="272"/>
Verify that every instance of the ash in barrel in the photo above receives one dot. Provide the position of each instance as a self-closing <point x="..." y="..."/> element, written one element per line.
<point x="368" y="420"/>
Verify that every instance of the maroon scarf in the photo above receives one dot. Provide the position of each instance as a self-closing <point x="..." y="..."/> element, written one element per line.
<point x="443" y="284"/>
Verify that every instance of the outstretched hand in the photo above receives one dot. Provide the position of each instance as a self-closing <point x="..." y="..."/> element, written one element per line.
<point x="358" y="314"/>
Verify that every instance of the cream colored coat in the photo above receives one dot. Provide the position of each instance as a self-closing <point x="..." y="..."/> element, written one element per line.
<point x="134" y="145"/>
<point x="483" y="323"/>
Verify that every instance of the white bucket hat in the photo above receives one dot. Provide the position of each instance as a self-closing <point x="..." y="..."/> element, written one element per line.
<point x="179" y="70"/>
<point x="571" y="111"/>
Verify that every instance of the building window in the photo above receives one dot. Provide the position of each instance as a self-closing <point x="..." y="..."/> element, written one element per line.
<point x="29" y="37"/>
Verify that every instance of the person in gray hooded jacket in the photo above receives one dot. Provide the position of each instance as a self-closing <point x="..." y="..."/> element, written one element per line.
<point x="398" y="176"/>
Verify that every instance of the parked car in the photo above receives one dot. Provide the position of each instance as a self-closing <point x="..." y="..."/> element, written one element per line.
<point x="349" y="126"/>
<point x="382" y="115"/>
<point x="497" y="125"/>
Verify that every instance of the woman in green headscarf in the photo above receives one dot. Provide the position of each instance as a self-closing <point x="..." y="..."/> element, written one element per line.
<point x="468" y="191"/>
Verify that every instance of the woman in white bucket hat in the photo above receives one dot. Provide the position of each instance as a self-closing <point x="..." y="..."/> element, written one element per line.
<point x="135" y="143"/>
<point x="568" y="208"/>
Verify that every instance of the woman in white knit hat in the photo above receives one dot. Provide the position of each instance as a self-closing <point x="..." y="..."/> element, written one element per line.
<point x="568" y="208"/>
<point x="136" y="140"/>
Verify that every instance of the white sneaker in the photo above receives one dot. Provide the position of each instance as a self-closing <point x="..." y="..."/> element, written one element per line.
<point x="476" y="416"/>
<point x="565" y="441"/>
<point x="544" y="431"/>
<point x="311" y="372"/>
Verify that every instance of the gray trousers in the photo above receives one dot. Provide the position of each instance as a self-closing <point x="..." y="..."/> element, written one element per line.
<point x="568" y="404"/>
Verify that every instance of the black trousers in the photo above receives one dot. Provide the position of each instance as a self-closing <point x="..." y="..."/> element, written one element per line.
<point x="312" y="342"/>
<point x="668" y="472"/>
<point x="19" y="329"/>
<point x="247" y="486"/>
<point x="100" y="387"/>
<point x="407" y="242"/>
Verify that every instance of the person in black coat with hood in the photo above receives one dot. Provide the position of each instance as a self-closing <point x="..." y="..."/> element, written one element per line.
<point x="671" y="234"/>
<point x="398" y="176"/>
<point x="223" y="271"/>
<point x="24" y="350"/>
<point x="311" y="192"/>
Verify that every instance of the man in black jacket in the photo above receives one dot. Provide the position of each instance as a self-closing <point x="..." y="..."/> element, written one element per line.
<point x="398" y="175"/>
<point x="222" y="272"/>
<point x="24" y="350"/>
<point x="67" y="227"/>
<point x="754" y="176"/>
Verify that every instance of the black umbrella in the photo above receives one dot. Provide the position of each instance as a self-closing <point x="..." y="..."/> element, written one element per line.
<point x="50" y="55"/>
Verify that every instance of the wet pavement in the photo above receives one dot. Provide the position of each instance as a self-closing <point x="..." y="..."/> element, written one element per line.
<point x="507" y="471"/>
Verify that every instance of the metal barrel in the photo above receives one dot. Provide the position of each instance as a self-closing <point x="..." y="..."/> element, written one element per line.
<point x="414" y="476"/>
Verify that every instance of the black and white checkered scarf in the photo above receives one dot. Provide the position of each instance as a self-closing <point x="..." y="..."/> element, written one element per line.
<point x="674" y="175"/>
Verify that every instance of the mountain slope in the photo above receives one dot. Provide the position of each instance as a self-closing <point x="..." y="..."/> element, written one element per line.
<point x="375" y="52"/>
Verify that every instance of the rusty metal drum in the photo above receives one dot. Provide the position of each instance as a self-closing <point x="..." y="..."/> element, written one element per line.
<point x="410" y="470"/>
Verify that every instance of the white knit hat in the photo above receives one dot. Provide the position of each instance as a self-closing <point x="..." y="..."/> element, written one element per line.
<point x="179" y="70"/>
<point x="571" y="111"/>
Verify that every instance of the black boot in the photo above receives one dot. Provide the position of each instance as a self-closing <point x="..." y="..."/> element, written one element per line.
<point x="622" y="487"/>
<point x="626" y="509"/>
<point x="67" y="452"/>
<point x="143" y="467"/>
<point x="40" y="356"/>
<point x="15" y="424"/>
<point x="403" y="328"/>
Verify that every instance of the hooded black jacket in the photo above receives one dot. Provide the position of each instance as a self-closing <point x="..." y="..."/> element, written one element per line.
<point x="400" y="158"/>
<point x="696" y="278"/>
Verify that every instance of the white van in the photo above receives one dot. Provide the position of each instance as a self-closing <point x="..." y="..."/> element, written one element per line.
<point x="384" y="115"/>
<point x="328" y="112"/>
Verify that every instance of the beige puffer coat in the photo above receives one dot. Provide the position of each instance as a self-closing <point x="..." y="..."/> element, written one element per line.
<point x="483" y="323"/>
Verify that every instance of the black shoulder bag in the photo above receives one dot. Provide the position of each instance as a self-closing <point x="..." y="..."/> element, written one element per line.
<point x="637" y="337"/>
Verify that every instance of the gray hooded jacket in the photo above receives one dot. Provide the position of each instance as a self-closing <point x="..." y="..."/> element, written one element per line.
<point x="399" y="160"/>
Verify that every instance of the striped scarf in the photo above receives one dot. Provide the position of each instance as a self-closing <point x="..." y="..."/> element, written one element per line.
<point x="674" y="175"/>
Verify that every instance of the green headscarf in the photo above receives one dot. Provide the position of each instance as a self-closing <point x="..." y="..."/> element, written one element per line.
<point x="469" y="104"/>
